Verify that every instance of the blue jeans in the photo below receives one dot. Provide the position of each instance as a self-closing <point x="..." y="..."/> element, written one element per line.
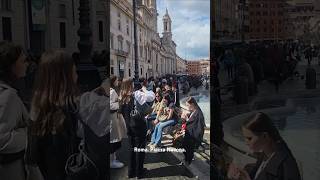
<point x="149" y="120"/>
<point x="157" y="133"/>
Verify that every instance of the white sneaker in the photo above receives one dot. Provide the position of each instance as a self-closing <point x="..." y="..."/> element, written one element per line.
<point x="117" y="161"/>
<point x="116" y="164"/>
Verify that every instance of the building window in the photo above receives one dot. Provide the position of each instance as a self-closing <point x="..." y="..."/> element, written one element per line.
<point x="128" y="46"/>
<point x="129" y="72"/>
<point x="119" y="24"/>
<point x="141" y="71"/>
<point x="6" y="5"/>
<point x="128" y="29"/>
<point x="111" y="41"/>
<point x="62" y="35"/>
<point x="100" y="31"/>
<point x="141" y="51"/>
<point x="120" y="44"/>
<point x="62" y="11"/>
<point x="128" y="33"/>
<point x="6" y="29"/>
<point x="111" y="69"/>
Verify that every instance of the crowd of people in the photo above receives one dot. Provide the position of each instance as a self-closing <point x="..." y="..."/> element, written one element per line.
<point x="63" y="133"/>
<point x="255" y="62"/>
<point x="145" y="109"/>
<point x="38" y="142"/>
<point x="271" y="61"/>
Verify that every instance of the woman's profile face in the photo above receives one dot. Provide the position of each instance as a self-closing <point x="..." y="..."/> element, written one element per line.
<point x="165" y="101"/>
<point x="190" y="106"/>
<point x="158" y="97"/>
<point x="20" y="67"/>
<point x="115" y="84"/>
<point x="254" y="142"/>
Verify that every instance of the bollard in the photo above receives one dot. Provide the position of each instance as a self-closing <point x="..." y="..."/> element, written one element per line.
<point x="311" y="78"/>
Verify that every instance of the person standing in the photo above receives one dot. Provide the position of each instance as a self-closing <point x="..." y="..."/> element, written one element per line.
<point x="175" y="90"/>
<point x="118" y="127"/>
<point x="130" y="102"/>
<point x="53" y="128"/>
<point x="194" y="130"/>
<point x="13" y="113"/>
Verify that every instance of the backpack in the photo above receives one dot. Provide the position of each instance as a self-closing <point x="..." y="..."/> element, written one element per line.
<point x="141" y="110"/>
<point x="137" y="123"/>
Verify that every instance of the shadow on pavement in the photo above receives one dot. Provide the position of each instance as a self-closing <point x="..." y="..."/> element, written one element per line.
<point x="159" y="165"/>
<point x="168" y="171"/>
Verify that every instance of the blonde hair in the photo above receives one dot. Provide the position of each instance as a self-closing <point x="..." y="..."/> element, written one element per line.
<point x="126" y="91"/>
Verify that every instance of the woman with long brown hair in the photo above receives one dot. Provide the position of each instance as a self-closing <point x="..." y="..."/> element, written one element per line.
<point x="135" y="124"/>
<point x="54" y="105"/>
<point x="55" y="115"/>
<point x="118" y="127"/>
<point x="13" y="113"/>
<point x="276" y="160"/>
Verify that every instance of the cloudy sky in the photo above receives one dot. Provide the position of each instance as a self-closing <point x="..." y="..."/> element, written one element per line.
<point x="190" y="26"/>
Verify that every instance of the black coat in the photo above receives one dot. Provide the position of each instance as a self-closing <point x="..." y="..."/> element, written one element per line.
<point x="282" y="166"/>
<point x="51" y="151"/>
<point x="195" y="128"/>
<point x="136" y="125"/>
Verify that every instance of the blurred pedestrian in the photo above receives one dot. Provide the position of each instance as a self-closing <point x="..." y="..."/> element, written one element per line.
<point x="13" y="113"/>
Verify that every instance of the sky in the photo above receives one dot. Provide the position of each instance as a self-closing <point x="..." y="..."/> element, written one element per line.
<point x="190" y="26"/>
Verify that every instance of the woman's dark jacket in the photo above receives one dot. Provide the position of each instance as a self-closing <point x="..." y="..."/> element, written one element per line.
<point x="195" y="128"/>
<point x="282" y="166"/>
<point x="51" y="151"/>
<point x="136" y="125"/>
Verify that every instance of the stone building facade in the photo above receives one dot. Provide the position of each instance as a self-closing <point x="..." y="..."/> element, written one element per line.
<point x="156" y="55"/>
<point x="205" y="67"/>
<point x="193" y="68"/>
<point x="267" y="19"/>
<point x="181" y="66"/>
<point x="54" y="26"/>
<point x="231" y="19"/>
<point x="299" y="15"/>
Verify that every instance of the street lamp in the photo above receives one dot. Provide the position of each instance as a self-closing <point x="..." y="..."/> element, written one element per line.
<point x="242" y="3"/>
<point x="88" y="74"/>
<point x="136" y="63"/>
